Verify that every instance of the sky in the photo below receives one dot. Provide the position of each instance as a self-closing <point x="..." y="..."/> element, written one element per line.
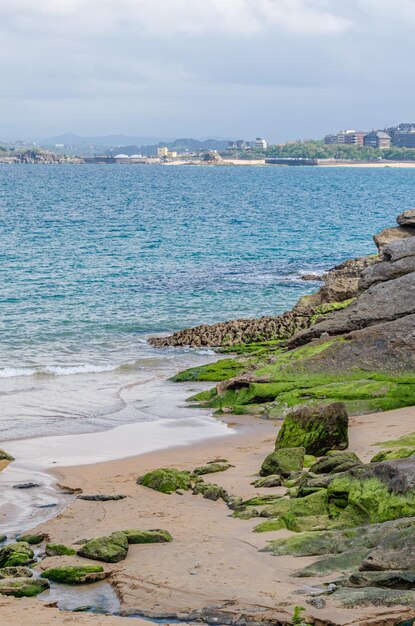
<point x="279" y="69"/>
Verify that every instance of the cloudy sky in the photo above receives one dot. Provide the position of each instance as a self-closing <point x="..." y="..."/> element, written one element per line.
<point x="282" y="69"/>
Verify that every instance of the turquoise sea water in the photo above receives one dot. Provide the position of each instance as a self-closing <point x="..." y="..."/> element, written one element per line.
<point x="93" y="259"/>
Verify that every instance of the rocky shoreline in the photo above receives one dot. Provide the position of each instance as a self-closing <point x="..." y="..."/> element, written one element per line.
<point x="307" y="517"/>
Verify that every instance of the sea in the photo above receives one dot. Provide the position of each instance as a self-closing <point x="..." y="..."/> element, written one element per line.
<point x="94" y="259"/>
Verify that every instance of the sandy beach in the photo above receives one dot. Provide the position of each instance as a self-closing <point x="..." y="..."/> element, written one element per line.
<point x="212" y="557"/>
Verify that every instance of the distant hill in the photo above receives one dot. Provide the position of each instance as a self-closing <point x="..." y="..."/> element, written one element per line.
<point x="106" y="141"/>
<point x="180" y="145"/>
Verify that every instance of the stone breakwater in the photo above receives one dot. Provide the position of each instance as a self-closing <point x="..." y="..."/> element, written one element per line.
<point x="395" y="259"/>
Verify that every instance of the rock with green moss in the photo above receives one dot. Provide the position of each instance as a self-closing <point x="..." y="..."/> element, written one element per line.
<point x="213" y="372"/>
<point x="32" y="540"/>
<point x="23" y="587"/>
<point x="59" y="549"/>
<point x="374" y="493"/>
<point x="317" y="429"/>
<point x="338" y="461"/>
<point x="387" y="580"/>
<point x="391" y="455"/>
<point x="108" y="549"/>
<point x="273" y="480"/>
<point x="167" y="480"/>
<point x="309" y="460"/>
<point x="344" y="563"/>
<point x="373" y="596"/>
<point x="394" y="551"/>
<point x="211" y="468"/>
<point x="4" y="456"/>
<point x="75" y="574"/>
<point x="15" y="572"/>
<point x="283" y="461"/>
<point x="147" y="536"/>
<point x="210" y="491"/>
<point x="286" y="513"/>
<point x="15" y="554"/>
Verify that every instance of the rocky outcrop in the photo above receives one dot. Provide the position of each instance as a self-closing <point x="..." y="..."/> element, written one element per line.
<point x="317" y="429"/>
<point x="407" y="218"/>
<point x="16" y="554"/>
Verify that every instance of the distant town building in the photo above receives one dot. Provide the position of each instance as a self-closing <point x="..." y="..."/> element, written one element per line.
<point x="377" y="139"/>
<point x="165" y="153"/>
<point x="403" y="136"/>
<point x="261" y="143"/>
<point x="348" y="137"/>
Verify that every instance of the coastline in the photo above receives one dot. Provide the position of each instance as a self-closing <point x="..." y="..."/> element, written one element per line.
<point x="210" y="560"/>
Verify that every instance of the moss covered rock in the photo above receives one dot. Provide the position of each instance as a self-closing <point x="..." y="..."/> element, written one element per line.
<point x="338" y="461"/>
<point x="318" y="429"/>
<point x="391" y="455"/>
<point x="273" y="480"/>
<point x="59" y="549"/>
<point x="147" y="536"/>
<point x="283" y="461"/>
<point x="211" y="468"/>
<point x="15" y="572"/>
<point x="108" y="549"/>
<point x="32" y="540"/>
<point x="345" y="562"/>
<point x="75" y="574"/>
<point x="286" y="513"/>
<point x="210" y="491"/>
<point x="214" y="372"/>
<point x="167" y="480"/>
<point x="15" y="554"/>
<point x="23" y="587"/>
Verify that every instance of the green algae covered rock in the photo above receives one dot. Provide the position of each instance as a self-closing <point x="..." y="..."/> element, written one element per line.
<point x="337" y="461"/>
<point x="395" y="453"/>
<point x="318" y="429"/>
<point x="344" y="562"/>
<point x="286" y="513"/>
<point x="32" y="540"/>
<point x="15" y="572"/>
<point x="147" y="536"/>
<point x="283" y="461"/>
<point x="108" y="549"/>
<point x="210" y="491"/>
<point x="213" y="372"/>
<point x="75" y="574"/>
<point x="22" y="587"/>
<point x="211" y="468"/>
<point x="59" y="549"/>
<point x="273" y="480"/>
<point x="15" y="554"/>
<point x="167" y="480"/>
<point x="374" y="493"/>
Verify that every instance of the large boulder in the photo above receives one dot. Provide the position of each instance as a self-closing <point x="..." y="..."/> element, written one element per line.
<point x="407" y="218"/>
<point x="399" y="249"/>
<point x="75" y="574"/>
<point x="395" y="233"/>
<point x="381" y="272"/>
<point x="380" y="303"/>
<point x="108" y="549"/>
<point x="283" y="462"/>
<point x="317" y="429"/>
<point x="15" y="554"/>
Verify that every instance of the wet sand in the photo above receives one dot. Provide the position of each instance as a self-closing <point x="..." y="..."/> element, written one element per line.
<point x="214" y="559"/>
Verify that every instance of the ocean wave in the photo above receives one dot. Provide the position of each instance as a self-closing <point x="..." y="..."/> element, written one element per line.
<point x="55" y="370"/>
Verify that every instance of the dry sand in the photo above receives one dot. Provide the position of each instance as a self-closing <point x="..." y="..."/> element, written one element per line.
<point x="214" y="559"/>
